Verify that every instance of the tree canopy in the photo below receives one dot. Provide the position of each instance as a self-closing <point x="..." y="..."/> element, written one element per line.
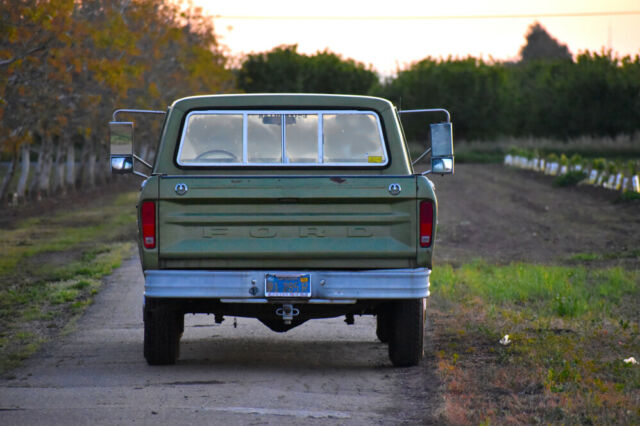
<point x="597" y="95"/>
<point x="66" y="64"/>
<point x="283" y="70"/>
<point x="542" y="46"/>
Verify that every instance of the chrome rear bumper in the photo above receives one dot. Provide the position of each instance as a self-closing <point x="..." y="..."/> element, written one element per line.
<point x="326" y="286"/>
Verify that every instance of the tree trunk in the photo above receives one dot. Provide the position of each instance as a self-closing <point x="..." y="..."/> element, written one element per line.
<point x="152" y="157"/>
<point x="101" y="176"/>
<point x="143" y="152"/>
<point x="104" y="158"/>
<point x="9" y="176"/>
<point x="58" y="170"/>
<point x="70" y="178"/>
<point x="84" y="158"/>
<point x="25" y="165"/>
<point x="105" y="167"/>
<point x="90" y="165"/>
<point x="44" y="178"/>
<point x="33" y="185"/>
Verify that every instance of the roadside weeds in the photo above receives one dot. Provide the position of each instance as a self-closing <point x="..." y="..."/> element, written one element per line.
<point x="570" y="329"/>
<point x="51" y="267"/>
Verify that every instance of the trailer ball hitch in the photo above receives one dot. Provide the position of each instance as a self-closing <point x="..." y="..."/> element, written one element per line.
<point x="287" y="312"/>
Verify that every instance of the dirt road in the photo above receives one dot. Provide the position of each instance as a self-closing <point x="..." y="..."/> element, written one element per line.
<point x="323" y="371"/>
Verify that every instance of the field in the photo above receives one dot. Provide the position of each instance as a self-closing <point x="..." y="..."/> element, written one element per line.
<point x="52" y="258"/>
<point x="557" y="269"/>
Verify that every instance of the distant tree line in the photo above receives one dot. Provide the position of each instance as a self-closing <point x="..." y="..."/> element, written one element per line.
<point x="284" y="70"/>
<point x="545" y="94"/>
<point x="65" y="65"/>
<point x="597" y="95"/>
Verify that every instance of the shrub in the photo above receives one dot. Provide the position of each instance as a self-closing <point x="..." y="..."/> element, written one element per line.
<point x="571" y="178"/>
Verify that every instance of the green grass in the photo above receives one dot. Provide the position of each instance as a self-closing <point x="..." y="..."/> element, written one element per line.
<point x="589" y="257"/>
<point x="629" y="196"/>
<point x="480" y="156"/>
<point x="586" y="257"/>
<point x="566" y="291"/>
<point x="571" y="178"/>
<point x="51" y="267"/>
<point x="571" y="328"/>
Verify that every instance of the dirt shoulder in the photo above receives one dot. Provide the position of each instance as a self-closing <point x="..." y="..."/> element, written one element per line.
<point x="500" y="214"/>
<point x="52" y="257"/>
<point x="103" y="195"/>
<point x="564" y="364"/>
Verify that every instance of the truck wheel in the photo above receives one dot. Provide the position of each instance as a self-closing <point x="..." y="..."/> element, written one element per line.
<point x="161" y="332"/>
<point x="383" y="323"/>
<point x="407" y="332"/>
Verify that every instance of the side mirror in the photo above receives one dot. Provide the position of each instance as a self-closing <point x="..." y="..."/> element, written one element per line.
<point x="441" y="148"/>
<point x="121" y="140"/>
<point x="442" y="165"/>
<point x="121" y="165"/>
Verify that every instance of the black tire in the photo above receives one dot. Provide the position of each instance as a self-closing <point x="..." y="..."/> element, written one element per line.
<point x="162" y="332"/>
<point x="383" y="323"/>
<point x="180" y="322"/>
<point x="180" y="319"/>
<point x="407" y="333"/>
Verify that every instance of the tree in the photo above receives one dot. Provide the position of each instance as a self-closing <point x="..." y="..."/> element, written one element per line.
<point x="65" y="65"/>
<point x="284" y="70"/>
<point x="541" y="46"/>
<point x="469" y="88"/>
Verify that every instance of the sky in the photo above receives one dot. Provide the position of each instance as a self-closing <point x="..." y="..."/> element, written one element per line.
<point x="388" y="36"/>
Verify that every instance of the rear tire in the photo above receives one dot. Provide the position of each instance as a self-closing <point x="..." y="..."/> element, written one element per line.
<point x="406" y="339"/>
<point x="162" y="331"/>
<point x="383" y="323"/>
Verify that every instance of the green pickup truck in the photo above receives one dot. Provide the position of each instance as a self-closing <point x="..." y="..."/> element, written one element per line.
<point x="285" y="208"/>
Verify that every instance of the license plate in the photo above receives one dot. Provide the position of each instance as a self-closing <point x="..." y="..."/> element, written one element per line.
<point x="280" y="285"/>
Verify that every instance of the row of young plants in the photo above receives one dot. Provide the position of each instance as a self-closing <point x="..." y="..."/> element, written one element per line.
<point x="611" y="174"/>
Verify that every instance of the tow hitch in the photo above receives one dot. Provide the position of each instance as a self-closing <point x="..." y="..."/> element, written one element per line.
<point x="287" y="312"/>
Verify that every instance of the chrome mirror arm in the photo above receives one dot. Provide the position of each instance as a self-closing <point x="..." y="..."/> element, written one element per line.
<point x="142" y="161"/>
<point x="413" y="163"/>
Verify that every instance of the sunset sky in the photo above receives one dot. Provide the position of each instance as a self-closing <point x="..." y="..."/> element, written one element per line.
<point x="393" y="33"/>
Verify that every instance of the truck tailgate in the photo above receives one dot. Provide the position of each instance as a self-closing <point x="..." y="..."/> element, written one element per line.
<point x="287" y="222"/>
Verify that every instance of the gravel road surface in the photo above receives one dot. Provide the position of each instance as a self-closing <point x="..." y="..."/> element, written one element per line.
<point x="322" y="372"/>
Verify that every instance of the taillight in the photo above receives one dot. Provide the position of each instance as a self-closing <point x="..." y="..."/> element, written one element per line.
<point x="148" y="216"/>
<point x="426" y="223"/>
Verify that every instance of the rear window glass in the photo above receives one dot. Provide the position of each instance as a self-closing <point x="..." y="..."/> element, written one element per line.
<point x="281" y="138"/>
